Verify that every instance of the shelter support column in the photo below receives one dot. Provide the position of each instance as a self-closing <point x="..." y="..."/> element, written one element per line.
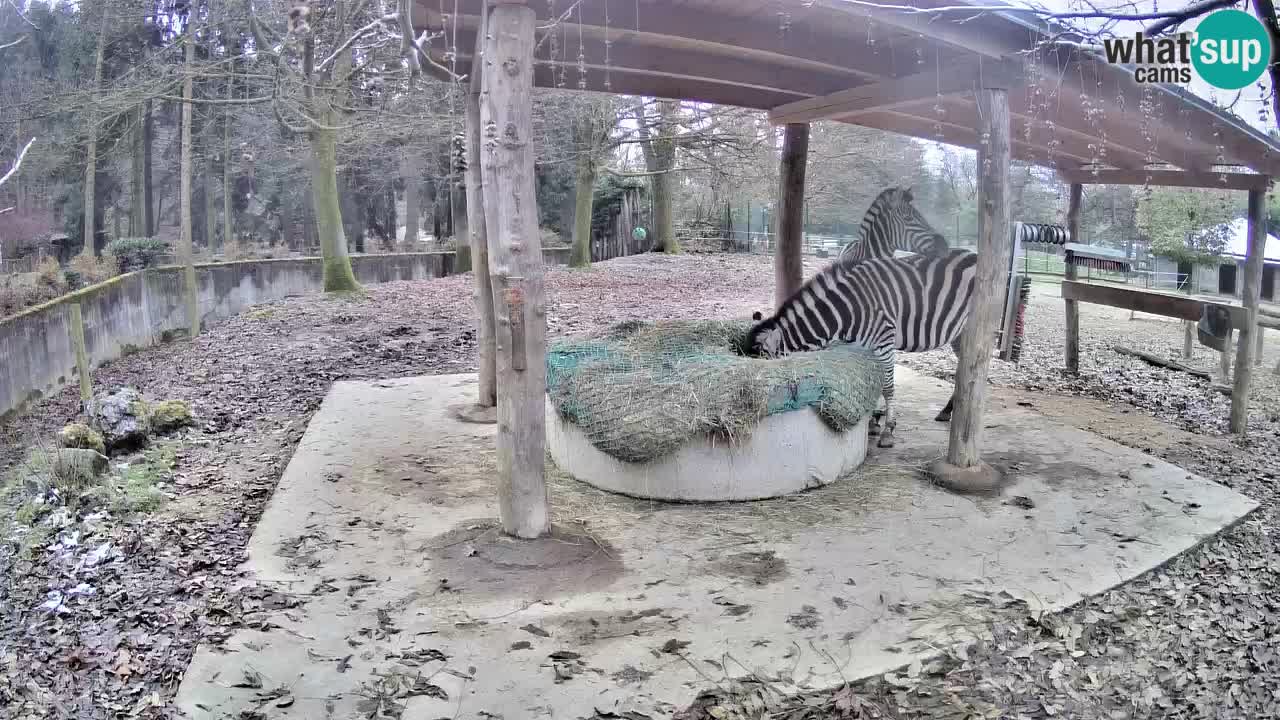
<point x="483" y="293"/>
<point x="1250" y="297"/>
<point x="788" y="258"/>
<point x="515" y="266"/>
<point x="964" y="468"/>
<point x="1073" y="308"/>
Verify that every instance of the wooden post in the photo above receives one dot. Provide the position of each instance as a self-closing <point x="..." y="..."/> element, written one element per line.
<point x="994" y="245"/>
<point x="788" y="259"/>
<point x="1257" y="350"/>
<point x="1073" y="308"/>
<point x="1224" y="358"/>
<point x="476" y="211"/>
<point x="82" y="354"/>
<point x="515" y="258"/>
<point x="1250" y="297"/>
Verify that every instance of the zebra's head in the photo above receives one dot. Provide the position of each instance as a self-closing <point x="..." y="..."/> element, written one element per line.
<point x="896" y="207"/>
<point x="764" y="339"/>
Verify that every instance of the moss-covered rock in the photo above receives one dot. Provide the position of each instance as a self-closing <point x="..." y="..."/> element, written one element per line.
<point x="170" y="415"/>
<point x="82" y="437"/>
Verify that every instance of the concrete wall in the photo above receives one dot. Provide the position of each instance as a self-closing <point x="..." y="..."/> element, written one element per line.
<point x="136" y="309"/>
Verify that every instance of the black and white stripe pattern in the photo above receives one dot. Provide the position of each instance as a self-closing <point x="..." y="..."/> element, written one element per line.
<point x="893" y="223"/>
<point x="912" y="304"/>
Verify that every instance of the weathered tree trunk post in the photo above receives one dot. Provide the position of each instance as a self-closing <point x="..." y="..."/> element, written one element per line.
<point x="1257" y="350"/>
<point x="186" y="239"/>
<point x="788" y="259"/>
<point x="1250" y="297"/>
<point x="963" y="469"/>
<point x="477" y="210"/>
<point x="82" y="354"/>
<point x="1224" y="358"/>
<point x="506" y="117"/>
<point x="1073" y="308"/>
<point x="458" y="206"/>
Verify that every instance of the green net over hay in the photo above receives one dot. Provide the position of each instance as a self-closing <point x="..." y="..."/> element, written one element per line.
<point x="641" y="390"/>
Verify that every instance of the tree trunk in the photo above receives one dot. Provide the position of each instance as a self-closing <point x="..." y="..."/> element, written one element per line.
<point x="228" y="217"/>
<point x="994" y="248"/>
<point x="186" y="238"/>
<point x="148" y="196"/>
<point x="477" y="212"/>
<point x="583" y="201"/>
<point x="338" y="276"/>
<point x="518" y="294"/>
<point x="789" y="255"/>
<point x="411" y="174"/>
<point x="91" y="164"/>
<point x="137" y="198"/>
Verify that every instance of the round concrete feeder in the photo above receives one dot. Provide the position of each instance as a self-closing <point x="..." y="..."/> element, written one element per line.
<point x="787" y="452"/>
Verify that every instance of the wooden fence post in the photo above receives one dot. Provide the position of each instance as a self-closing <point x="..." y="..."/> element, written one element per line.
<point x="963" y="468"/>
<point x="82" y="354"/>
<point x="1073" y="308"/>
<point x="1249" y="297"/>
<point x="515" y="257"/>
<point x="476" y="215"/>
<point x="788" y="260"/>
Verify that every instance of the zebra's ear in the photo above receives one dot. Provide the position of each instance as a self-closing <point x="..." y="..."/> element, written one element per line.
<point x="906" y="195"/>
<point x="757" y="316"/>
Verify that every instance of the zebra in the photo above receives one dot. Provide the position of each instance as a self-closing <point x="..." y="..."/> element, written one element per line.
<point x="912" y="304"/>
<point x="892" y="222"/>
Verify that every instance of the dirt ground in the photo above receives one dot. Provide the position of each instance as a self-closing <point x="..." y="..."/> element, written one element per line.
<point x="88" y="635"/>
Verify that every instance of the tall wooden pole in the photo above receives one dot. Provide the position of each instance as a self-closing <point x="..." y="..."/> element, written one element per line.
<point x="515" y="258"/>
<point x="476" y="212"/>
<point x="994" y="248"/>
<point x="788" y="258"/>
<point x="1073" y="308"/>
<point x="1252" y="289"/>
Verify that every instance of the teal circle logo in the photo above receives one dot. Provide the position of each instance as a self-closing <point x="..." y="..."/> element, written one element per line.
<point x="1232" y="49"/>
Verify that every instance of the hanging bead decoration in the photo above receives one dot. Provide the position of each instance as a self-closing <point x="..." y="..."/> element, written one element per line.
<point x="582" y="54"/>
<point x="557" y="71"/>
<point x="939" y="110"/>
<point x="608" y="47"/>
<point x="1145" y="111"/>
<point x="1220" y="158"/>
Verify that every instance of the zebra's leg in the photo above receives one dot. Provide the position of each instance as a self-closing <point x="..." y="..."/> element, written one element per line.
<point x="945" y="414"/>
<point x="890" y="418"/>
<point x="873" y="425"/>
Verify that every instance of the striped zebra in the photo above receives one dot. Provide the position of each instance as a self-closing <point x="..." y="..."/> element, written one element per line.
<point x="913" y="304"/>
<point x="893" y="223"/>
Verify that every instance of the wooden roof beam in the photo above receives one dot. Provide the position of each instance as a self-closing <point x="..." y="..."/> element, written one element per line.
<point x="700" y="29"/>
<point x="938" y="27"/>
<point x="897" y="92"/>
<point x="963" y="136"/>
<point x="1168" y="178"/>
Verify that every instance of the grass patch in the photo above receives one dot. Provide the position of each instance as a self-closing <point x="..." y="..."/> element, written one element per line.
<point x="139" y="491"/>
<point x="263" y="314"/>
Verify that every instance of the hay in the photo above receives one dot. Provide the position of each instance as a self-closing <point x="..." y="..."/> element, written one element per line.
<point x="641" y="390"/>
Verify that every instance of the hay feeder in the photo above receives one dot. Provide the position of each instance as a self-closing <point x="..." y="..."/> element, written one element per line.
<point x="671" y="411"/>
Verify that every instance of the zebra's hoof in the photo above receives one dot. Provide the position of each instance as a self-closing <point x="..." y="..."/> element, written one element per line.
<point x="873" y="429"/>
<point x="943" y="417"/>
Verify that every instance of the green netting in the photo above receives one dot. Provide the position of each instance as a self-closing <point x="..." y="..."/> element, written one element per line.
<point x="641" y="390"/>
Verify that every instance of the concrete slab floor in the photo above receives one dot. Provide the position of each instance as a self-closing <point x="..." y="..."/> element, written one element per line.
<point x="384" y="523"/>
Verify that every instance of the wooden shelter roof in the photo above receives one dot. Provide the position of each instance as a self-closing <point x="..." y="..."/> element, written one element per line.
<point x="906" y="72"/>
